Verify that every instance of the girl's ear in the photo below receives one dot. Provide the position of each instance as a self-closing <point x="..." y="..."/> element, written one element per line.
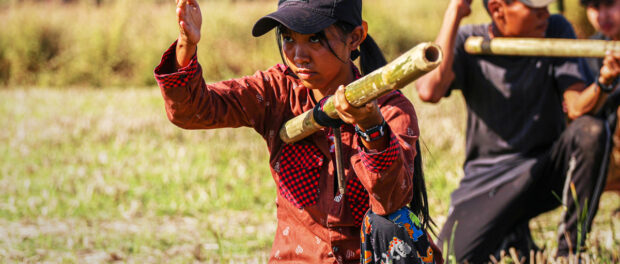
<point x="358" y="35"/>
<point x="365" y="26"/>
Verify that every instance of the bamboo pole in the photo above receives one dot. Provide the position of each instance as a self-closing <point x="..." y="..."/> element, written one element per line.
<point x="541" y="47"/>
<point x="395" y="75"/>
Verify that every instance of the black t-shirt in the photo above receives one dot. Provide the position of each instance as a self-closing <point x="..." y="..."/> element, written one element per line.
<point x="514" y="108"/>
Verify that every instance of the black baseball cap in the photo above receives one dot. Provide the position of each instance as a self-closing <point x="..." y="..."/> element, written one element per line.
<point x="310" y="16"/>
<point x="530" y="3"/>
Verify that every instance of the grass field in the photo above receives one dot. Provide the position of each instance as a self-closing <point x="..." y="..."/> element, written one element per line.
<point x="92" y="171"/>
<point x="44" y="43"/>
<point x="101" y="175"/>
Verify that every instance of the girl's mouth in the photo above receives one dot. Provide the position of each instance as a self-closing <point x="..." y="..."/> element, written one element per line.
<point x="606" y="27"/>
<point x="305" y="73"/>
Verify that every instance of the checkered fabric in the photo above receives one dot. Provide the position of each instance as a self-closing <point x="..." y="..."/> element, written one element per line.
<point x="299" y="174"/>
<point x="380" y="161"/>
<point x="357" y="198"/>
<point x="167" y="77"/>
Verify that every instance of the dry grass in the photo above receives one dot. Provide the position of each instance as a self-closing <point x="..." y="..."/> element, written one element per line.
<point x="46" y="43"/>
<point x="101" y="175"/>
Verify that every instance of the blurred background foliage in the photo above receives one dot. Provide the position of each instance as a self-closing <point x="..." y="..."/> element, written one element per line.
<point x="100" y="175"/>
<point x="112" y="43"/>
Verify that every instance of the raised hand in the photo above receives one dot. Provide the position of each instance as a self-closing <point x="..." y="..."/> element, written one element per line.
<point x="190" y="20"/>
<point x="463" y="7"/>
<point x="611" y="69"/>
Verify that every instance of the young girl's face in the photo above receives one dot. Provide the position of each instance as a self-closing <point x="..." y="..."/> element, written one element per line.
<point x="311" y="59"/>
<point x="605" y="17"/>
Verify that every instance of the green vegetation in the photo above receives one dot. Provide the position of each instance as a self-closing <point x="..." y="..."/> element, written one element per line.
<point x="103" y="175"/>
<point x="120" y="42"/>
<point x="91" y="175"/>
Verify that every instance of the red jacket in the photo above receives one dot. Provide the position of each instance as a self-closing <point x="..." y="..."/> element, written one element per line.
<point x="314" y="224"/>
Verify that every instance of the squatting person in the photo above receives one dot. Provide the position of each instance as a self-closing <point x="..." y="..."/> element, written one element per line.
<point x="521" y="157"/>
<point x="604" y="15"/>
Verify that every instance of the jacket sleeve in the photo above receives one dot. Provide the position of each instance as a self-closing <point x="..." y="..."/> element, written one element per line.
<point x="193" y="104"/>
<point x="388" y="175"/>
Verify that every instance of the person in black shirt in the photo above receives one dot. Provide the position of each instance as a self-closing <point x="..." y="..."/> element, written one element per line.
<point x="604" y="15"/>
<point x="520" y="155"/>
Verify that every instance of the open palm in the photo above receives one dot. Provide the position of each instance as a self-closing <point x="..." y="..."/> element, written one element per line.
<point x="190" y="20"/>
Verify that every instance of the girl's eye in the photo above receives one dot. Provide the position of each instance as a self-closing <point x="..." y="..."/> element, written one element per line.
<point x="314" y="39"/>
<point x="287" y="39"/>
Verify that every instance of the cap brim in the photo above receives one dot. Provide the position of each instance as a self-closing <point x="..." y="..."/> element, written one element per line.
<point x="294" y="17"/>
<point x="536" y="3"/>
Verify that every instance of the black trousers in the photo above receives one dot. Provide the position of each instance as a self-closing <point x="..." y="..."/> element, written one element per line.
<point x="499" y="219"/>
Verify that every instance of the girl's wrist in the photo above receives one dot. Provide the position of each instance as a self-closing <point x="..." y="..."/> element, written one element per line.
<point x="372" y="122"/>
<point x="183" y="42"/>
<point x="184" y="52"/>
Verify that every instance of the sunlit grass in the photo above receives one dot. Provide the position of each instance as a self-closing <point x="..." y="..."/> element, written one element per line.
<point x="46" y="43"/>
<point x="102" y="175"/>
<point x="91" y="175"/>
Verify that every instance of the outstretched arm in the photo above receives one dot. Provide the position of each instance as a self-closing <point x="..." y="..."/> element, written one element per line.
<point x="434" y="85"/>
<point x="190" y="21"/>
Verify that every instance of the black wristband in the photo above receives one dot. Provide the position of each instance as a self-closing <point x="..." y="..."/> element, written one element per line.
<point x="322" y="118"/>
<point x="372" y="133"/>
<point x="607" y="88"/>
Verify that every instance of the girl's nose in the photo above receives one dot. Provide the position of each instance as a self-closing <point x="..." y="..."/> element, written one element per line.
<point x="301" y="55"/>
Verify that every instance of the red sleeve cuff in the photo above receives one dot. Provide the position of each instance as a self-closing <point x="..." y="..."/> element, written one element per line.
<point x="380" y="161"/>
<point x="166" y="74"/>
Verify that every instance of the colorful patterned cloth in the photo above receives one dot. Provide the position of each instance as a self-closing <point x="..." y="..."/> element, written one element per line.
<point x="395" y="238"/>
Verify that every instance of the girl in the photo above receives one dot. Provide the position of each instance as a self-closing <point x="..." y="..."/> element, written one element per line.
<point x="318" y="40"/>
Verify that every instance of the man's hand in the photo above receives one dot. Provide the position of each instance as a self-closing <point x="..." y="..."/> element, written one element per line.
<point x="462" y="7"/>
<point x="611" y="68"/>
<point x="190" y="20"/>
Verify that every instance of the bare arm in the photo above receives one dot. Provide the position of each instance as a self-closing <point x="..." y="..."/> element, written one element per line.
<point x="190" y="21"/>
<point x="580" y="101"/>
<point x="434" y="85"/>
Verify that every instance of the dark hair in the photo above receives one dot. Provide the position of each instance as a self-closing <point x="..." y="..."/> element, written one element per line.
<point x="596" y="3"/>
<point x="371" y="58"/>
<point x="419" y="202"/>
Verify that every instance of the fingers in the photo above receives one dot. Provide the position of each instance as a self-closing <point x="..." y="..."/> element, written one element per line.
<point x="342" y="106"/>
<point x="611" y="68"/>
<point x="189" y="19"/>
<point x="614" y="60"/>
<point x="184" y="27"/>
<point x="180" y="9"/>
<point x="181" y="4"/>
<point x="185" y="8"/>
<point x="364" y="116"/>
